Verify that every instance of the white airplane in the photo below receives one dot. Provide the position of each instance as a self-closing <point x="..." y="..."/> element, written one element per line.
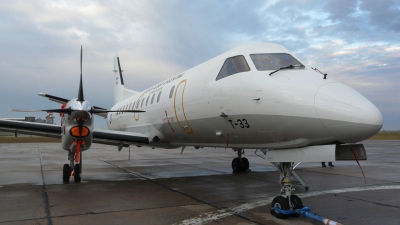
<point x="258" y="96"/>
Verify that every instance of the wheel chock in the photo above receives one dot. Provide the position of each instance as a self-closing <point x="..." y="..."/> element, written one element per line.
<point x="306" y="212"/>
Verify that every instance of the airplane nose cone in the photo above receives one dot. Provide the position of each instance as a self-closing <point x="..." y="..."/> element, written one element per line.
<point x="346" y="114"/>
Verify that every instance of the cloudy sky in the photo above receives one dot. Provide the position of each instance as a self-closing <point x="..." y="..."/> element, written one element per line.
<point x="355" y="41"/>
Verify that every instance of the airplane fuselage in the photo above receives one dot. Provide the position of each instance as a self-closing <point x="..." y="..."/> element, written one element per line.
<point x="250" y="109"/>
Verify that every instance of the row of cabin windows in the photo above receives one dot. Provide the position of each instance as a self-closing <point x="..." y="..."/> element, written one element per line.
<point x="136" y="104"/>
<point x="234" y="65"/>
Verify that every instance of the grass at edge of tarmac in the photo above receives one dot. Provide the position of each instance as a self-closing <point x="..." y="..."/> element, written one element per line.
<point x="386" y="136"/>
<point x="28" y="139"/>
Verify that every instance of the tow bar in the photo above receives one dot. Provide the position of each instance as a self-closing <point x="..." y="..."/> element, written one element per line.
<point x="306" y="212"/>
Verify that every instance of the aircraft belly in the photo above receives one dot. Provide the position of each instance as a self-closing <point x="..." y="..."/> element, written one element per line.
<point x="252" y="131"/>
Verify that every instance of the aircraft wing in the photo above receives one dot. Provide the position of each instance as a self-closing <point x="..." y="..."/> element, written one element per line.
<point x="118" y="138"/>
<point x="64" y="101"/>
<point x="108" y="137"/>
<point x="23" y="127"/>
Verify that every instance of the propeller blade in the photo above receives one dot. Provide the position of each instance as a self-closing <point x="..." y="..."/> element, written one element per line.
<point x="80" y="92"/>
<point x="68" y="110"/>
<point x="120" y="72"/>
<point x="107" y="111"/>
<point x="24" y="110"/>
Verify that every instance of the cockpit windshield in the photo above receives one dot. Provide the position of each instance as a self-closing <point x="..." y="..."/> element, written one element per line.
<point x="275" y="61"/>
<point x="233" y="65"/>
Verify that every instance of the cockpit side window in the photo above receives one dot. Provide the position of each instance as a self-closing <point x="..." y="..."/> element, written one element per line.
<point x="275" y="61"/>
<point x="233" y="65"/>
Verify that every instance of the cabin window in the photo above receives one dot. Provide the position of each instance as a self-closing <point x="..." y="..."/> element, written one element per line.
<point x="152" y="98"/>
<point x="171" y="92"/>
<point x="275" y="61"/>
<point x="130" y="106"/>
<point x="141" y="106"/>
<point x="233" y="65"/>
<point x="147" y="100"/>
<point x="158" y="97"/>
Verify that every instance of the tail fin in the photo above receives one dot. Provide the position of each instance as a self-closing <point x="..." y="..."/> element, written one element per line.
<point x="120" y="92"/>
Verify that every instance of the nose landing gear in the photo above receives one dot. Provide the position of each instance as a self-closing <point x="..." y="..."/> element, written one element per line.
<point x="75" y="166"/>
<point x="286" y="201"/>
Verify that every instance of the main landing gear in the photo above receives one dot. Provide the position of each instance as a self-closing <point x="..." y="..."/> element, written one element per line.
<point x="240" y="163"/>
<point x="286" y="200"/>
<point x="75" y="165"/>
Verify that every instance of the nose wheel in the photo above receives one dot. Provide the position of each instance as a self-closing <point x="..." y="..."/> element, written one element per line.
<point x="77" y="172"/>
<point x="66" y="172"/>
<point x="240" y="163"/>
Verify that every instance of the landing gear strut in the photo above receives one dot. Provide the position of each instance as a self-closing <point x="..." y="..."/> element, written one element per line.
<point x="285" y="200"/>
<point x="75" y="166"/>
<point x="240" y="163"/>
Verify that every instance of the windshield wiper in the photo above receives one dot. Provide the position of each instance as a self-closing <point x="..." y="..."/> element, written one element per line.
<point x="282" y="68"/>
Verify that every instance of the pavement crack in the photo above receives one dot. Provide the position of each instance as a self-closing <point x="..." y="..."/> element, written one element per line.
<point x="44" y="192"/>
<point x="376" y="203"/>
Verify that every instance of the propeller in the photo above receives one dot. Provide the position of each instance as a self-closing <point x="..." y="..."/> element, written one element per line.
<point x="80" y="99"/>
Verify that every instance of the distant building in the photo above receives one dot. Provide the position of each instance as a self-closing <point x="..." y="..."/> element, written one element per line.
<point x="30" y="118"/>
<point x="39" y="120"/>
<point x="49" y="119"/>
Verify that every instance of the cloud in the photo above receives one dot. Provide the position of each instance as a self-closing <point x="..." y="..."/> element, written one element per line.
<point x="383" y="15"/>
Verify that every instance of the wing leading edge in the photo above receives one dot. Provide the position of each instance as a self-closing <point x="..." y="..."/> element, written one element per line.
<point x="107" y="137"/>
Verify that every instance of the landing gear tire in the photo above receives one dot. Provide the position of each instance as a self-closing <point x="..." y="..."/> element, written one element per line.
<point x="280" y="203"/>
<point x="296" y="203"/>
<point x="66" y="172"/>
<point x="77" y="172"/>
<point x="245" y="164"/>
<point x="236" y="165"/>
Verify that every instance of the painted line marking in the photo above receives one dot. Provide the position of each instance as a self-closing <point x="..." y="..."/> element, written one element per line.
<point x="219" y="214"/>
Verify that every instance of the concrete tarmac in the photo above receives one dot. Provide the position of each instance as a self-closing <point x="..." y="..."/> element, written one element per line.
<point x="160" y="186"/>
